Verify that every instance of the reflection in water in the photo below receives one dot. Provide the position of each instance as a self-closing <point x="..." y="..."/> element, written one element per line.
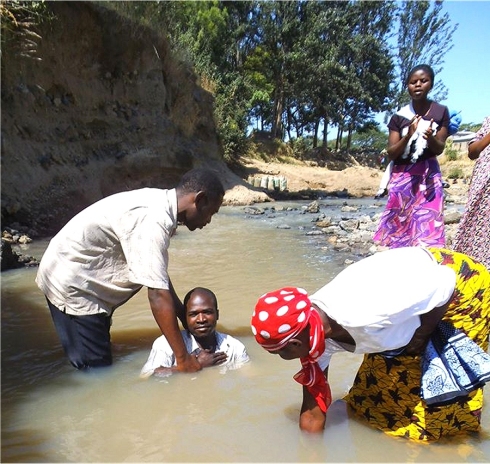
<point x="52" y="413"/>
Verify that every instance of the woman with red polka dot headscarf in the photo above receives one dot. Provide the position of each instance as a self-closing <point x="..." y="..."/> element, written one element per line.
<point x="395" y="327"/>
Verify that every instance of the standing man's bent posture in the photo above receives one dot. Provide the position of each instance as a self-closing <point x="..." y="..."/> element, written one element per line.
<point x="109" y="251"/>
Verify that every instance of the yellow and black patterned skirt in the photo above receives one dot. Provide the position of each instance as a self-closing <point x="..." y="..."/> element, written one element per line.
<point x="386" y="390"/>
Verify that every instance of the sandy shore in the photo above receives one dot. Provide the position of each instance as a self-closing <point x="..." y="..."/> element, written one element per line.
<point x="355" y="181"/>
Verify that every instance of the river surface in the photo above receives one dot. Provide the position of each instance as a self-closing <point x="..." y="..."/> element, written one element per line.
<point x="53" y="413"/>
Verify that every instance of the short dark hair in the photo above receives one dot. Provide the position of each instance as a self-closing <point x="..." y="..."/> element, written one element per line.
<point x="202" y="179"/>
<point x="421" y="67"/>
<point x="201" y="289"/>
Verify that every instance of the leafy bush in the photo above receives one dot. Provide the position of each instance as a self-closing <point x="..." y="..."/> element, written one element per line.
<point x="455" y="173"/>
<point x="370" y="138"/>
<point x="20" y="20"/>
<point x="450" y="152"/>
<point x="300" y="146"/>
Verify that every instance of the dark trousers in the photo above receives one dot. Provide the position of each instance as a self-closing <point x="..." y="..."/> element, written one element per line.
<point x="85" y="339"/>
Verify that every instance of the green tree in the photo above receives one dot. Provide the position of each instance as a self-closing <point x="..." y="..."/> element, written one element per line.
<point x="367" y="66"/>
<point x="295" y="67"/>
<point x="276" y="29"/>
<point x="318" y="75"/>
<point x="20" y="21"/>
<point x="424" y="36"/>
<point x="214" y="37"/>
<point x="369" y="137"/>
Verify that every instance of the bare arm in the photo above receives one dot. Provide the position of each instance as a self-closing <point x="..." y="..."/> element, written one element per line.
<point x="164" y="311"/>
<point x="179" y="307"/>
<point x="312" y="418"/>
<point x="436" y="143"/>
<point x="428" y="323"/>
<point x="475" y="148"/>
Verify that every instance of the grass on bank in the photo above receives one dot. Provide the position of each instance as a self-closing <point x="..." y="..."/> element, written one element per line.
<point x="454" y="161"/>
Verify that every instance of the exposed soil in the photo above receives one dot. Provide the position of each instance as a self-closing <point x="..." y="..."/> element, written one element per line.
<point x="101" y="105"/>
<point x="308" y="180"/>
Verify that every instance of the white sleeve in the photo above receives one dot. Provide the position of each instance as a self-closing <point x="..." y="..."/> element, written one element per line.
<point x="331" y="347"/>
<point x="161" y="355"/>
<point x="387" y="288"/>
<point x="241" y="355"/>
<point x="235" y="350"/>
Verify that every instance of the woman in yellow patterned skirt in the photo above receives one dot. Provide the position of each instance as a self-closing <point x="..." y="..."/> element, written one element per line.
<point x="386" y="390"/>
<point x="391" y="320"/>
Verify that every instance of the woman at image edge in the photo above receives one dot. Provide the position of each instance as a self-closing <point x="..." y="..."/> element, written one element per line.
<point x="391" y="325"/>
<point x="473" y="237"/>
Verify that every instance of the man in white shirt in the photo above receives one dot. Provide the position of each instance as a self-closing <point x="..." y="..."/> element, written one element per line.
<point x="210" y="347"/>
<point x="109" y="251"/>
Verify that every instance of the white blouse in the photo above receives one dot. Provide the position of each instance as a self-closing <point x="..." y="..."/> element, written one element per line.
<point x="379" y="299"/>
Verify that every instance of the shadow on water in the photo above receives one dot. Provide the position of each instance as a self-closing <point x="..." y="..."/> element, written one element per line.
<point x="29" y="360"/>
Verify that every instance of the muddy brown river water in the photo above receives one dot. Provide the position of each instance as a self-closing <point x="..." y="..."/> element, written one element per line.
<point x="52" y="413"/>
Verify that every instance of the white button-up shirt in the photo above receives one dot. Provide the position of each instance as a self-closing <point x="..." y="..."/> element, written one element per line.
<point x="108" y="251"/>
<point x="161" y="354"/>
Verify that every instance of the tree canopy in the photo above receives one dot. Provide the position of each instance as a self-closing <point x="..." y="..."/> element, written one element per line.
<point x="296" y="68"/>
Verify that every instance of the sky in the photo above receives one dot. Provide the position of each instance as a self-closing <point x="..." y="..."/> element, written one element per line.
<point x="466" y="69"/>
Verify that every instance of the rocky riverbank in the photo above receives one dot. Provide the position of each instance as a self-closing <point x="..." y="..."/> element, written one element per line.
<point x="13" y="259"/>
<point x="348" y="230"/>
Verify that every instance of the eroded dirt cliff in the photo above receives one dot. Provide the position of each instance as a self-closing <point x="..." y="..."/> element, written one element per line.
<point x="102" y="106"/>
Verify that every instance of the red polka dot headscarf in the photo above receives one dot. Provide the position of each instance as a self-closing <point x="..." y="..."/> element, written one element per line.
<point x="279" y="316"/>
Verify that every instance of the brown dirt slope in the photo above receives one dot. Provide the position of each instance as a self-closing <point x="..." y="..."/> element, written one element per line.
<point x="357" y="180"/>
<point x="102" y="106"/>
<point x="349" y="178"/>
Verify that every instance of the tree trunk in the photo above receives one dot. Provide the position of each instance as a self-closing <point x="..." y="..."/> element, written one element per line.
<point x="338" y="142"/>
<point x="325" y="132"/>
<point x="349" y="137"/>
<point x="315" y="134"/>
<point x="278" y="108"/>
